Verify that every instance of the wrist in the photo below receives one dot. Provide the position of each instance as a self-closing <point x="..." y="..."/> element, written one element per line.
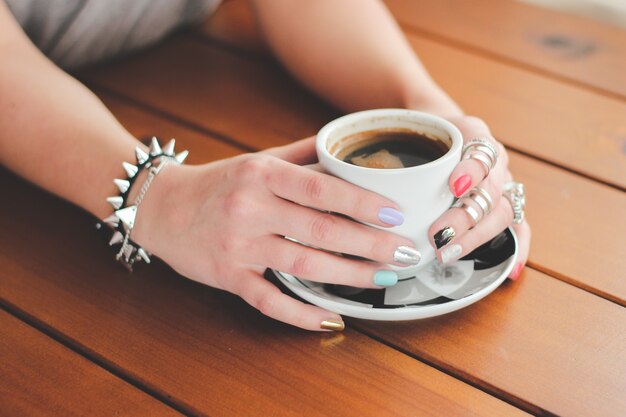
<point x="434" y="101"/>
<point x="158" y="208"/>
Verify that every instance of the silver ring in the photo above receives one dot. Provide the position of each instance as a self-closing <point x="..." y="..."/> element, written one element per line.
<point x="516" y="194"/>
<point x="481" y="198"/>
<point x="477" y="193"/>
<point x="473" y="213"/>
<point x="483" y="151"/>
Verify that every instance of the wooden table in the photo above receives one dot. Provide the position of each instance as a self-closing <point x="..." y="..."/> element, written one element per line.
<point x="80" y="336"/>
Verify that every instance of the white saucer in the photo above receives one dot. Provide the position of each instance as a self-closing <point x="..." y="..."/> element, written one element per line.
<point x="435" y="290"/>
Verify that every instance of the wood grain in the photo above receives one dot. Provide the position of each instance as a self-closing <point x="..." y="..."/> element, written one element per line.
<point x="41" y="377"/>
<point x="559" y="238"/>
<point x="206" y="350"/>
<point x="571" y="127"/>
<point x="564" y="124"/>
<point x="580" y="50"/>
<point x="568" y="126"/>
<point x="539" y="339"/>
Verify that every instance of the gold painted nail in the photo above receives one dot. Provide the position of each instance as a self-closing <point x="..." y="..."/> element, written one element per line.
<point x="336" y="325"/>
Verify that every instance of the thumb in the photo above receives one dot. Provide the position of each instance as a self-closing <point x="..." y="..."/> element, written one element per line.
<point x="301" y="152"/>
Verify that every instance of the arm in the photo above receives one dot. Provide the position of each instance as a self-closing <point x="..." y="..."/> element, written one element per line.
<point x="352" y="53"/>
<point x="53" y="131"/>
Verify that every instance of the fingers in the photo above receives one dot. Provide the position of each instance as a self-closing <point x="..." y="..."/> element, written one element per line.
<point x="269" y="300"/>
<point x="338" y="234"/>
<point x="524" y="235"/>
<point x="456" y="222"/>
<point x="304" y="262"/>
<point x="494" y="223"/>
<point x="301" y="152"/>
<point x="470" y="172"/>
<point x="324" y="192"/>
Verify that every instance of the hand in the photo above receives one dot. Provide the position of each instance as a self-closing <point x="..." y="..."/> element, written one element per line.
<point x="468" y="174"/>
<point x="223" y="224"/>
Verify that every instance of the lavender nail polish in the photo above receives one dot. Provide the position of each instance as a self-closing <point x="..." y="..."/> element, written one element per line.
<point x="390" y="216"/>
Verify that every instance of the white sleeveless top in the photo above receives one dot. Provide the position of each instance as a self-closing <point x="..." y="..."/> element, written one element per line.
<point x="75" y="33"/>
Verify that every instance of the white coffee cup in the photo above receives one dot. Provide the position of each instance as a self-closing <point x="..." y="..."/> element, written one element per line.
<point x="421" y="192"/>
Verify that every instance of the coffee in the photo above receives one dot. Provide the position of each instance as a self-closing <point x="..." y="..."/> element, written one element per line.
<point x="389" y="149"/>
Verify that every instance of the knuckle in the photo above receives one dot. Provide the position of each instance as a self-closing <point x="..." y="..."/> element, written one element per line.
<point x="503" y="155"/>
<point x="475" y="123"/>
<point x="253" y="167"/>
<point x="322" y="228"/>
<point x="313" y="187"/>
<point x="301" y="265"/>
<point x="265" y="303"/>
<point x="236" y="205"/>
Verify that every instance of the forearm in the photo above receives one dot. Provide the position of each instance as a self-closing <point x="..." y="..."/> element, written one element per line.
<point x="351" y="52"/>
<point x="56" y="133"/>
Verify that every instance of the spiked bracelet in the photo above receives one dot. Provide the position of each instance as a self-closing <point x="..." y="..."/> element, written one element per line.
<point x="123" y="218"/>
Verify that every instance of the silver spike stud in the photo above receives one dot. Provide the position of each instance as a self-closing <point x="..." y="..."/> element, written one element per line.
<point x="112" y="220"/>
<point x="144" y="255"/>
<point x="128" y="251"/>
<point x="117" y="238"/>
<point x="127" y="215"/>
<point x="180" y="158"/>
<point x="116" y="202"/>
<point x="140" y="155"/>
<point x="169" y="148"/>
<point x="155" y="149"/>
<point x="131" y="170"/>
<point x="122" y="185"/>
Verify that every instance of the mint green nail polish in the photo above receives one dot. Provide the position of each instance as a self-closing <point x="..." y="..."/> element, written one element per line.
<point x="385" y="278"/>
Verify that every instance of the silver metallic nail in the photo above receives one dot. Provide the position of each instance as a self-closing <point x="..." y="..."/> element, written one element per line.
<point x="451" y="253"/>
<point x="407" y="255"/>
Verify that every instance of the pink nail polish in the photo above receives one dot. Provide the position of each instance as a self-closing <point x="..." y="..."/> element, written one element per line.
<point x="462" y="184"/>
<point x="516" y="271"/>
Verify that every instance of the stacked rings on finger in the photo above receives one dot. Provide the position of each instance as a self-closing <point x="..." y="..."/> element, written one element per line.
<point x="483" y="151"/>
<point x="516" y="194"/>
<point x="477" y="203"/>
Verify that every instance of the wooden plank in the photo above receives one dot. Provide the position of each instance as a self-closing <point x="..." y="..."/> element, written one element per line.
<point x="252" y="91"/>
<point x="207" y="85"/>
<point x="209" y="352"/>
<point x="41" y="377"/>
<point x="569" y="47"/>
<point x="578" y="227"/>
<point x="577" y="129"/>
<point x="566" y="125"/>
<point x="548" y="343"/>
<point x="234" y="23"/>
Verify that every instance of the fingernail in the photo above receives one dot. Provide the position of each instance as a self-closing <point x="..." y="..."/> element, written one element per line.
<point x="462" y="184"/>
<point x="390" y="216"/>
<point x="516" y="271"/>
<point x="385" y="278"/>
<point x="335" y="325"/>
<point x="451" y="253"/>
<point x="443" y="237"/>
<point x="407" y="255"/>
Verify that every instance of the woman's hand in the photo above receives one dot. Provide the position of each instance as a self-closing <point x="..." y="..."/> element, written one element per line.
<point x="452" y="234"/>
<point x="223" y="223"/>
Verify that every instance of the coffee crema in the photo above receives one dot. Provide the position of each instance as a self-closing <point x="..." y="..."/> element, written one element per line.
<point x="389" y="149"/>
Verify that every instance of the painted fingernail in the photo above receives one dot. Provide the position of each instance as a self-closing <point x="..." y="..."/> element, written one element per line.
<point x="462" y="184"/>
<point x="407" y="255"/>
<point x="334" y="325"/>
<point x="385" y="278"/>
<point x="516" y="271"/>
<point x="390" y="216"/>
<point x="451" y="253"/>
<point x="443" y="237"/>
